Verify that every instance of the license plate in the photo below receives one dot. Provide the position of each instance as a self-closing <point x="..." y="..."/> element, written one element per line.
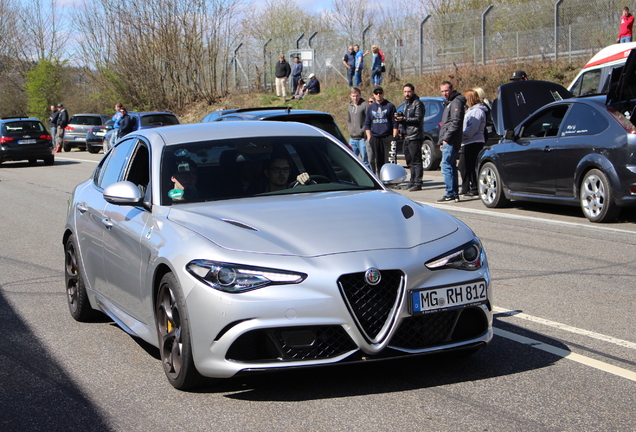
<point x="451" y="297"/>
<point x="28" y="141"/>
<point x="80" y="139"/>
<point x="100" y="133"/>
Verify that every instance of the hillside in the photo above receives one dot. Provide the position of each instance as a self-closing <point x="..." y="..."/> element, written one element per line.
<point x="335" y="96"/>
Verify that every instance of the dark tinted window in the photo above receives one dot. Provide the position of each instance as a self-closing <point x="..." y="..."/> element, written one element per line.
<point x="22" y="127"/>
<point x="86" y="120"/>
<point x="546" y="123"/>
<point x="159" y="120"/>
<point x="110" y="170"/>
<point x="583" y="120"/>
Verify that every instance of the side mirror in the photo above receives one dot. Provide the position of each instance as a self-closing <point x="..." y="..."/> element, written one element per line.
<point x="391" y="174"/>
<point x="123" y="193"/>
<point x="510" y="135"/>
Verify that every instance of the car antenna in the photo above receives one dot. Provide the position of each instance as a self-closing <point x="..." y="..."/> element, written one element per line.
<point x="288" y="110"/>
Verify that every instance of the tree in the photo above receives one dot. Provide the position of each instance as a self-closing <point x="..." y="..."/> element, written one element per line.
<point x="43" y="87"/>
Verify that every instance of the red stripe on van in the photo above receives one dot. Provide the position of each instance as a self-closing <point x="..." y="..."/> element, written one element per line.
<point x="613" y="57"/>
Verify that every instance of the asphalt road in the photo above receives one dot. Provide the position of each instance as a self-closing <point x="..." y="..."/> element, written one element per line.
<point x="563" y="358"/>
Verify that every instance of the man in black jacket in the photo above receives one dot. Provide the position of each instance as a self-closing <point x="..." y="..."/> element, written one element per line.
<point x="412" y="130"/>
<point x="450" y="139"/>
<point x="62" y="122"/>
<point x="283" y="70"/>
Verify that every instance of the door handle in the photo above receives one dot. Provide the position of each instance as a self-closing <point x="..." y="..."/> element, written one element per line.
<point x="82" y="208"/>
<point x="107" y="223"/>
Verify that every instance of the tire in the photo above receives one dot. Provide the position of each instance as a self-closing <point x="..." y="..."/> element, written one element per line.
<point x="430" y="161"/>
<point x="67" y="147"/>
<point x="92" y="150"/>
<point x="491" y="186"/>
<point x="173" y="330"/>
<point x="597" y="197"/>
<point x="76" y="296"/>
<point x="49" y="160"/>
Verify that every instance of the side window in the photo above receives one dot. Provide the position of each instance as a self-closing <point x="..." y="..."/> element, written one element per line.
<point x="139" y="168"/>
<point x="583" y="120"/>
<point x="111" y="170"/>
<point x="545" y="124"/>
<point x="588" y="83"/>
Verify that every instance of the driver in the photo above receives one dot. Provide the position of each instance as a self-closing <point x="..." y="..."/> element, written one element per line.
<point x="184" y="179"/>
<point x="277" y="174"/>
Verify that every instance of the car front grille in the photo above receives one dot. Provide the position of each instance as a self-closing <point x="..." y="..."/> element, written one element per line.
<point x="291" y="344"/>
<point x="372" y="306"/>
<point x="429" y="330"/>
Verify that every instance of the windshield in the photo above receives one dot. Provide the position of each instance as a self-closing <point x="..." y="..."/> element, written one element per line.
<point x="244" y="167"/>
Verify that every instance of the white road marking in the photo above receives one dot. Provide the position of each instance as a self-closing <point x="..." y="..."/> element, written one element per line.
<point x="76" y="160"/>
<point x="565" y="327"/>
<point x="452" y="207"/>
<point x="596" y="364"/>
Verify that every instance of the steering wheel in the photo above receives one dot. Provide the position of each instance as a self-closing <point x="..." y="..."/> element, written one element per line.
<point x="314" y="179"/>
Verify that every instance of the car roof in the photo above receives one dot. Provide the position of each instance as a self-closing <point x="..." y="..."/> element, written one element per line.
<point x="516" y="100"/>
<point x="10" y="119"/>
<point x="145" y="113"/>
<point x="89" y="115"/>
<point x="266" y="112"/>
<point x="195" y="132"/>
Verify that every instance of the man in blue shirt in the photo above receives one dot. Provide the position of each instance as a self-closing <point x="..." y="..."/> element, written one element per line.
<point x="297" y="72"/>
<point x="381" y="129"/>
<point x="357" y="77"/>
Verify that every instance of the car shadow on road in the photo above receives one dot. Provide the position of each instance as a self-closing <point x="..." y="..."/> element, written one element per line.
<point x="37" y="394"/>
<point x="502" y="357"/>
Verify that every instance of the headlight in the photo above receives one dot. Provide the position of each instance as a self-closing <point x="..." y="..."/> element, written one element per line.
<point x="235" y="278"/>
<point x="470" y="256"/>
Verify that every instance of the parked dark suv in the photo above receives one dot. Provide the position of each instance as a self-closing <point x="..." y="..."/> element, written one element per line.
<point x="78" y="126"/>
<point x="144" y="120"/>
<point x="321" y="120"/>
<point x="23" y="138"/>
<point x="431" y="154"/>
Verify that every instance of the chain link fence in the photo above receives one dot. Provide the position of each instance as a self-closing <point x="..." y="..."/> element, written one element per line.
<point x="569" y="30"/>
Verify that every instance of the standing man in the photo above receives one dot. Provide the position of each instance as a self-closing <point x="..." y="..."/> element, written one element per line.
<point x="412" y="122"/>
<point x="356" y="118"/>
<point x="53" y="123"/>
<point x="359" y="65"/>
<point x="126" y="123"/>
<point x="450" y="139"/>
<point x="62" y="122"/>
<point x="381" y="129"/>
<point x="519" y="76"/>
<point x="297" y="73"/>
<point x="625" y="31"/>
<point x="283" y="70"/>
<point x="349" y="60"/>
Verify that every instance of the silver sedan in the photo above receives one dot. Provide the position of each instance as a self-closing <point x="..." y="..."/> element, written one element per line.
<point x="254" y="246"/>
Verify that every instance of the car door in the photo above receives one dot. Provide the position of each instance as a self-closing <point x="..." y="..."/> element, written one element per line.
<point x="123" y="258"/>
<point x="90" y="217"/>
<point x="529" y="162"/>
<point x="579" y="136"/>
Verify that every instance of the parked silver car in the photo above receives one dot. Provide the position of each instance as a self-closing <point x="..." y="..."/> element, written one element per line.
<point x="267" y="246"/>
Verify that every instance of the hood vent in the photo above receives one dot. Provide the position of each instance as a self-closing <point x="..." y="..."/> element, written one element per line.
<point x="239" y="224"/>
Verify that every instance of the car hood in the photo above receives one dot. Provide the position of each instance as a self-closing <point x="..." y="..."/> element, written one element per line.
<point x="316" y="224"/>
<point x="622" y="86"/>
<point x="517" y="100"/>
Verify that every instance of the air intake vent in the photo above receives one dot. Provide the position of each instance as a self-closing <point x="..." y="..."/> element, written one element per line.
<point x="239" y="224"/>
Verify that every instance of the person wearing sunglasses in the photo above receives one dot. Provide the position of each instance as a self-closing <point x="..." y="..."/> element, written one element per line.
<point x="380" y="128"/>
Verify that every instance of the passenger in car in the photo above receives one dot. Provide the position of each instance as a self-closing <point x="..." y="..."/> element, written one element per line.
<point x="184" y="179"/>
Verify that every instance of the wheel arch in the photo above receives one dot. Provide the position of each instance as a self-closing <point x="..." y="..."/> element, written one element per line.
<point x="595" y="161"/>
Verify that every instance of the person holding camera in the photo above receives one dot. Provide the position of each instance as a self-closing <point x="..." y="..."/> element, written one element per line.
<point x="411" y="121"/>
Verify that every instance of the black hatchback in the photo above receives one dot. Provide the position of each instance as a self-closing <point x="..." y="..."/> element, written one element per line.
<point x="576" y="151"/>
<point x="23" y="138"/>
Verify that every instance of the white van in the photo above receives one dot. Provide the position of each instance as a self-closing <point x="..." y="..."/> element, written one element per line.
<point x="594" y="77"/>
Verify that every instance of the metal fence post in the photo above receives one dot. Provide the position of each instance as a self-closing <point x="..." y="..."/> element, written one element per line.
<point x="265" y="64"/>
<point x="556" y="29"/>
<point x="483" y="34"/>
<point x="422" y="44"/>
